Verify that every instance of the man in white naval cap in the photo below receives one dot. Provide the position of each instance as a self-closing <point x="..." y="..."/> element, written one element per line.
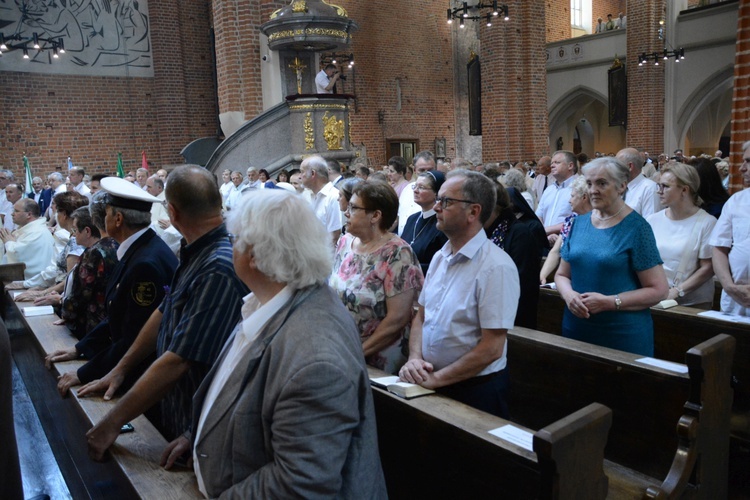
<point x="137" y="285"/>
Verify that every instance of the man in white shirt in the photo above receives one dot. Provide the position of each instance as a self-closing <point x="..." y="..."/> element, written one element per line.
<point x="76" y="179"/>
<point x="56" y="182"/>
<point x="457" y="343"/>
<point x="13" y="193"/>
<point x="621" y="22"/>
<point x="542" y="178"/>
<point x="325" y="197"/>
<point x="424" y="161"/>
<point x="6" y="177"/>
<point x="554" y="205"/>
<point x="235" y="192"/>
<point x="642" y="195"/>
<point x="326" y="79"/>
<point x="141" y="175"/>
<point x="731" y="241"/>
<point x="226" y="177"/>
<point x="31" y="243"/>
<point x="252" y="182"/>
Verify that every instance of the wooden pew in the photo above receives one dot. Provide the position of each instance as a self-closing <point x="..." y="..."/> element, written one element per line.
<point x="550" y="375"/>
<point x="675" y="331"/>
<point x="133" y="471"/>
<point x="436" y="447"/>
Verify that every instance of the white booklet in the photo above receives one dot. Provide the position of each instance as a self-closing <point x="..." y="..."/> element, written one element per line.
<point x="722" y="316"/>
<point x="513" y="434"/>
<point x="38" y="311"/>
<point x="405" y="390"/>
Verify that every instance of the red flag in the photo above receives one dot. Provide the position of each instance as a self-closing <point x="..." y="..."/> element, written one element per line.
<point x="144" y="161"/>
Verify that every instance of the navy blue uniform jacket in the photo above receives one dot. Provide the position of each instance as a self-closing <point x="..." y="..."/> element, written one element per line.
<point x="136" y="287"/>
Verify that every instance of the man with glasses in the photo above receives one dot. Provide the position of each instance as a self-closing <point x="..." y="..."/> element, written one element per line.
<point x="458" y="341"/>
<point x="190" y="326"/>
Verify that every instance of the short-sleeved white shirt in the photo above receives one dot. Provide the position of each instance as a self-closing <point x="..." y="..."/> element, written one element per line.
<point x="554" y="206"/>
<point x="321" y="82"/>
<point x="674" y="238"/>
<point x="733" y="231"/>
<point x="326" y="207"/>
<point x="475" y="288"/>
<point x="406" y="206"/>
<point x="642" y="196"/>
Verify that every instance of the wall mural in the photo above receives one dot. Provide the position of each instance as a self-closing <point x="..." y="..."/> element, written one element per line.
<point x="101" y="37"/>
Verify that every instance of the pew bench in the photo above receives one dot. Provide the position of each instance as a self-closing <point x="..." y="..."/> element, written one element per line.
<point x="675" y="331"/>
<point x="434" y="446"/>
<point x="550" y="375"/>
<point x="133" y="470"/>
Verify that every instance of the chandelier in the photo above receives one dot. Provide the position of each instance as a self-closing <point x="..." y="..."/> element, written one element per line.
<point x="25" y="43"/>
<point x="482" y="10"/>
<point x="666" y="54"/>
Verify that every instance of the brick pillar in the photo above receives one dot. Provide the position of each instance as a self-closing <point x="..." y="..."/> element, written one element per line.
<point x="514" y="85"/>
<point x="237" y="31"/>
<point x="741" y="98"/>
<point x="557" y="20"/>
<point x="645" y="84"/>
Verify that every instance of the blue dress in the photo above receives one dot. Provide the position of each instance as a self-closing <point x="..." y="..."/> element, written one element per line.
<point x="606" y="261"/>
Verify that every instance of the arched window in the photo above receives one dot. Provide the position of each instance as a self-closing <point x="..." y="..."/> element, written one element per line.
<point x="580" y="17"/>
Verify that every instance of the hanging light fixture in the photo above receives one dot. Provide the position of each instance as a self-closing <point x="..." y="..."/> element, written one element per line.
<point x="482" y="10"/>
<point x="9" y="43"/>
<point x="676" y="54"/>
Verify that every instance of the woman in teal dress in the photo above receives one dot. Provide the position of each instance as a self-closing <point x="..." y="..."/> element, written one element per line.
<point x="610" y="272"/>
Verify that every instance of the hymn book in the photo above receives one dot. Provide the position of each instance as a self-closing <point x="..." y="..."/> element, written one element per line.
<point x="405" y="390"/>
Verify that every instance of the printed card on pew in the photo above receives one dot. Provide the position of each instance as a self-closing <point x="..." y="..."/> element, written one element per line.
<point x="37" y="311"/>
<point x="405" y="390"/>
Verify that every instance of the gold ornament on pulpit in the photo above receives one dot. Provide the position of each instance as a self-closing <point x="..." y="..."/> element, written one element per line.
<point x="309" y="132"/>
<point x="333" y="131"/>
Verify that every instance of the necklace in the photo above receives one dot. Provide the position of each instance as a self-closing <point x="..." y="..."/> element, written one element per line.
<point x="603" y="219"/>
<point x="415" y="236"/>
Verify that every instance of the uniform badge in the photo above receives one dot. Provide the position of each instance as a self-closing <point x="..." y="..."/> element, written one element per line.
<point x="144" y="293"/>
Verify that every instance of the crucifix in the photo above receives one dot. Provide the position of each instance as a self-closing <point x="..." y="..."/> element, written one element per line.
<point x="298" y="67"/>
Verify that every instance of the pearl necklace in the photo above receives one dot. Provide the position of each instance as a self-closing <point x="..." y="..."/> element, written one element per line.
<point x="604" y="219"/>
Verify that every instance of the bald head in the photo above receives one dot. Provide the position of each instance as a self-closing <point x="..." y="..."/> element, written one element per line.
<point x="543" y="166"/>
<point x="193" y="192"/>
<point x="632" y="158"/>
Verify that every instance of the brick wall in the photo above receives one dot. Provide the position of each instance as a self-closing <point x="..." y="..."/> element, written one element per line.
<point x="557" y="16"/>
<point x="50" y="117"/>
<point x="600" y="8"/>
<point x="645" y="84"/>
<point x="404" y="71"/>
<point x="514" y="95"/>
<point x="741" y="97"/>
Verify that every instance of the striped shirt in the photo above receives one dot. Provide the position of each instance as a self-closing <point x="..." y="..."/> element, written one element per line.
<point x="200" y="311"/>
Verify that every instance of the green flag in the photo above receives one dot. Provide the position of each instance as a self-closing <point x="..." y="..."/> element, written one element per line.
<point x="29" y="188"/>
<point x="120" y="170"/>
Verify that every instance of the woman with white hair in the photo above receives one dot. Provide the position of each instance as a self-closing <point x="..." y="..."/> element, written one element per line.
<point x="287" y="410"/>
<point x="610" y="273"/>
<point x="682" y="231"/>
<point x="580" y="203"/>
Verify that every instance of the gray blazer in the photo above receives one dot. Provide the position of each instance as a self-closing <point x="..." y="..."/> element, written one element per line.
<point x="296" y="419"/>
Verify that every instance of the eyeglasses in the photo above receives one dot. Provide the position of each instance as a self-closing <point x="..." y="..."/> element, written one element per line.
<point x="445" y="202"/>
<point x="353" y="208"/>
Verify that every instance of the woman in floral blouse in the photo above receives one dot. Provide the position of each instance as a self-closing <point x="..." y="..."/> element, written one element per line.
<point x="377" y="275"/>
<point x="83" y="302"/>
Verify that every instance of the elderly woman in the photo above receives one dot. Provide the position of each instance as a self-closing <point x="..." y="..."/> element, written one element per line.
<point x="515" y="179"/>
<point x="610" y="272"/>
<point x="301" y="423"/>
<point x="682" y="231"/>
<point x="515" y="228"/>
<point x="580" y="203"/>
<point x="420" y="230"/>
<point x="82" y="304"/>
<point x="345" y="194"/>
<point x="51" y="280"/>
<point x="377" y="275"/>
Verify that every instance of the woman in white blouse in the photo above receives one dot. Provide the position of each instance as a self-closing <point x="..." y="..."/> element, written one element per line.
<point x="682" y="231"/>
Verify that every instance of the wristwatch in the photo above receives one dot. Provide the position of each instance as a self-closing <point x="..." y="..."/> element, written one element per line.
<point x="618" y="302"/>
<point x="680" y="291"/>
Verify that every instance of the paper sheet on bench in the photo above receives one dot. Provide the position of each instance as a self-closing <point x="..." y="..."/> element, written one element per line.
<point x="667" y="365"/>
<point x="732" y="318"/>
<point x="518" y="437"/>
<point x="37" y="311"/>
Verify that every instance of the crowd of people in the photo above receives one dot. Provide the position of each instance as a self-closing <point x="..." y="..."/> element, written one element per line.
<point x="246" y="343"/>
